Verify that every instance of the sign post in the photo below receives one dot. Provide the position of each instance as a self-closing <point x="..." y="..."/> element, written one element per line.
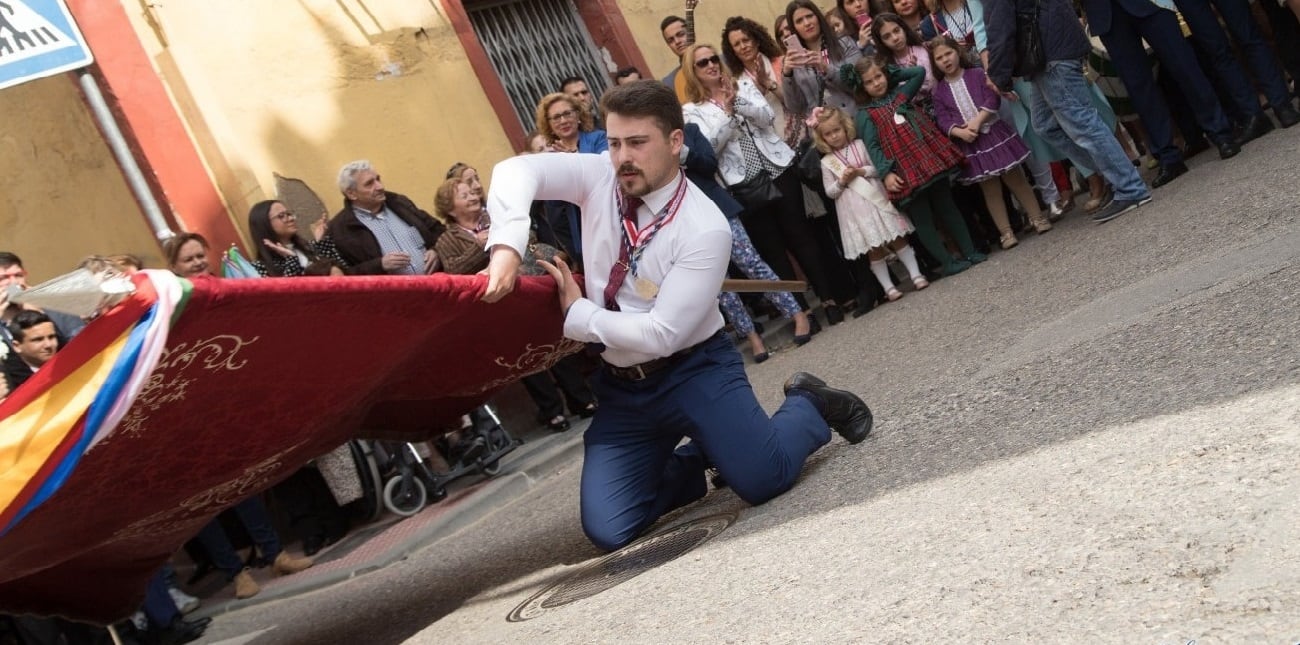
<point x="37" y="39"/>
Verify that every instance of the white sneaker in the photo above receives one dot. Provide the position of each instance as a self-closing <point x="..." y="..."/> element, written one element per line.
<point x="185" y="603"/>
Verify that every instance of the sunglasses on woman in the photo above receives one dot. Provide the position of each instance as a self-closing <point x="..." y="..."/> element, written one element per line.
<point x="705" y="62"/>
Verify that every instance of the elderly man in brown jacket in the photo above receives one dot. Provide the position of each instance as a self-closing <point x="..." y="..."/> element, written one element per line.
<point x="380" y="232"/>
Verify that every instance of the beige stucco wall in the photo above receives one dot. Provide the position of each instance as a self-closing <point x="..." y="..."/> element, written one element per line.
<point x="64" y="197"/>
<point x="643" y="20"/>
<point x="302" y="87"/>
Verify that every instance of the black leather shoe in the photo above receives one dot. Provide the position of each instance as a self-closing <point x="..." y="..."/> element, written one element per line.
<point x="843" y="411"/>
<point x="834" y="315"/>
<point x="1168" y="174"/>
<point x="814" y="325"/>
<point x="1227" y="149"/>
<point x="1286" y="115"/>
<point x="1254" y="128"/>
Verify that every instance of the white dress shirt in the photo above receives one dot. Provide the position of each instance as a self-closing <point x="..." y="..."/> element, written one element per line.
<point x="687" y="259"/>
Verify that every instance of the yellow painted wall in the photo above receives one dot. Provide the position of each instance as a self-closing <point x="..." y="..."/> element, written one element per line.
<point x="710" y="15"/>
<point x="63" y="197"/>
<point x="302" y="87"/>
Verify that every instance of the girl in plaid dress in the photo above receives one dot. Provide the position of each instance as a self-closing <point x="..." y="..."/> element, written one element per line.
<point x="916" y="161"/>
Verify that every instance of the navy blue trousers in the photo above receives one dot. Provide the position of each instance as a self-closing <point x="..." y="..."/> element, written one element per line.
<point x="1160" y="29"/>
<point x="158" y="605"/>
<point x="257" y="521"/>
<point x="1209" y="36"/>
<point x="634" y="471"/>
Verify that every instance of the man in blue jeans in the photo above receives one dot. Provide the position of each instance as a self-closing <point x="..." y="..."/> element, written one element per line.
<point x="1062" y="109"/>
<point x="656" y="250"/>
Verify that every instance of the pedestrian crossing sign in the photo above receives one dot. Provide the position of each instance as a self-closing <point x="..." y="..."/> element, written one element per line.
<point x="37" y="39"/>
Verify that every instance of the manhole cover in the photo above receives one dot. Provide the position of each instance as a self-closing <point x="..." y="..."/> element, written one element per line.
<point x="623" y="565"/>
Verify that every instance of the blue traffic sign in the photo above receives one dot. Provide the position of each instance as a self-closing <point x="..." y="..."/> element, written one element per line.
<point x="37" y="39"/>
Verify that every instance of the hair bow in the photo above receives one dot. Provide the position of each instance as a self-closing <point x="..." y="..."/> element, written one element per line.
<point x="815" y="117"/>
<point x="850" y="77"/>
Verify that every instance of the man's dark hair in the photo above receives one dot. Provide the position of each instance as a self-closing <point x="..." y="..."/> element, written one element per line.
<point x="8" y="259"/>
<point x="26" y="319"/>
<point x="646" y="98"/>
<point x="571" y="80"/>
<point x="663" y="24"/>
<point x="625" y="72"/>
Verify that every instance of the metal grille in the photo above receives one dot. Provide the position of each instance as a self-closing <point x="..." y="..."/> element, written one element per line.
<point x="533" y="45"/>
<point x="622" y="565"/>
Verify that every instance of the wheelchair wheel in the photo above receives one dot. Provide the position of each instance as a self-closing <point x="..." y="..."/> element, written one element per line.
<point x="405" y="498"/>
<point x="370" y="505"/>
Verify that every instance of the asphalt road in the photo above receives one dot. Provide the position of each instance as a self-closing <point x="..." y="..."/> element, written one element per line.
<point x="1090" y="438"/>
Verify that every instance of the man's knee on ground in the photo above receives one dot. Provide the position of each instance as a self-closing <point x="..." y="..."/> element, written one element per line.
<point x="759" y="490"/>
<point x="608" y="536"/>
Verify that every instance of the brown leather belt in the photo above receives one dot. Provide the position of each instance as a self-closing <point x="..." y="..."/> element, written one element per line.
<point x="643" y="371"/>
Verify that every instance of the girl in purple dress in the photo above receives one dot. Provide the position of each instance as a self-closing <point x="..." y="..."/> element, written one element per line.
<point x="966" y="108"/>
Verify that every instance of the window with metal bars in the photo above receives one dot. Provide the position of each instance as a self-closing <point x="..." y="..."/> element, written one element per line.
<point x="533" y="45"/>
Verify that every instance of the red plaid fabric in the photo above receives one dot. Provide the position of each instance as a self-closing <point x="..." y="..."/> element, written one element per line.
<point x="918" y="158"/>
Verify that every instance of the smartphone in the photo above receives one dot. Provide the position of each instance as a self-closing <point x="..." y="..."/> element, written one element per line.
<point x="793" y="44"/>
<point x="864" y="19"/>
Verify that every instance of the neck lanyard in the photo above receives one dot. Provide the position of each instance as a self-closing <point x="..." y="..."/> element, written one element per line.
<point x="857" y="161"/>
<point x="634" y="240"/>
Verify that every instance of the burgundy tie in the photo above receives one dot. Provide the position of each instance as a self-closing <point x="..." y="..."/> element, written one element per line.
<point x="618" y="272"/>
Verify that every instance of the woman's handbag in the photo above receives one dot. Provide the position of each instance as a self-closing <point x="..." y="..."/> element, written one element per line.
<point x="1030" y="57"/>
<point x="756" y="192"/>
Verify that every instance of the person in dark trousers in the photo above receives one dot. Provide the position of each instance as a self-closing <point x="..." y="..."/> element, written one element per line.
<point x="1122" y="26"/>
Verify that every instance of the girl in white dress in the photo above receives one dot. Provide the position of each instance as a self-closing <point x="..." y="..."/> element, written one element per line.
<point x="870" y="225"/>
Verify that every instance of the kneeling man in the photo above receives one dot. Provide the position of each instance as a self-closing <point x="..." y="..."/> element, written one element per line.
<point x="656" y="250"/>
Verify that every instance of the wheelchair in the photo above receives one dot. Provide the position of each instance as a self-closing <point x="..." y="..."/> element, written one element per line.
<point x="394" y="475"/>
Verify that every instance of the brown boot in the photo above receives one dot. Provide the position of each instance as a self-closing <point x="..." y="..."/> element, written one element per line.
<point x="245" y="585"/>
<point x="286" y="564"/>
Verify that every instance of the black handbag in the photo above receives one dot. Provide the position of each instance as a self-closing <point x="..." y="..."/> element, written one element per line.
<point x="1030" y="57"/>
<point x="756" y="192"/>
<point x="808" y="164"/>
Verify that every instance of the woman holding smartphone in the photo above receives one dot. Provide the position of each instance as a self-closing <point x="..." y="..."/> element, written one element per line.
<point x="812" y="62"/>
<point x="858" y="26"/>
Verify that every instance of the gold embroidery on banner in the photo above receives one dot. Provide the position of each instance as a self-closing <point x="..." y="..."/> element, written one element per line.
<point x="207" y="503"/>
<point x="170" y="380"/>
<point x="534" y="359"/>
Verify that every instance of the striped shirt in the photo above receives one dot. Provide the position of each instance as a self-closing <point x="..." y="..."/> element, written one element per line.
<point x="394" y="236"/>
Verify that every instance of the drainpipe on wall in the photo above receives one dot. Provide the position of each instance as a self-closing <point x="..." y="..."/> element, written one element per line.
<point x="122" y="152"/>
